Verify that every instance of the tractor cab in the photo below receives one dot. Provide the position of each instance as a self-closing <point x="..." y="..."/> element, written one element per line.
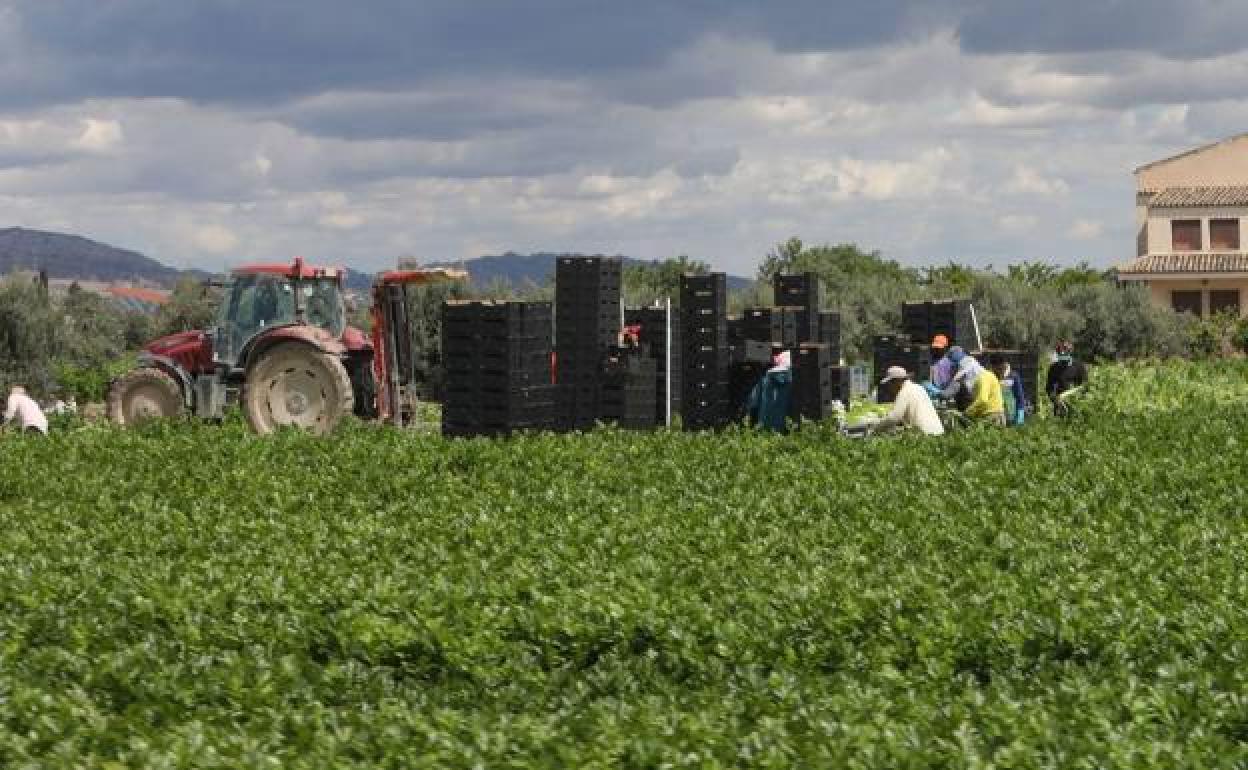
<point x="261" y="298"/>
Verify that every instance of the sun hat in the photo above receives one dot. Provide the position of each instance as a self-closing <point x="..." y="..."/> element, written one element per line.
<point x="894" y="373"/>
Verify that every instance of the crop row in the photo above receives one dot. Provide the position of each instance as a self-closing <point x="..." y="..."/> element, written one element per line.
<point x="1069" y="594"/>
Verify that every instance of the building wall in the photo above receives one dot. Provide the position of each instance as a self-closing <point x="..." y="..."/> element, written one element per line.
<point x="1225" y="163"/>
<point x="1159" y="289"/>
<point x="1158" y="232"/>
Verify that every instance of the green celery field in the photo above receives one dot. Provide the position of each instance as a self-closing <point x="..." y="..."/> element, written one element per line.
<point x="1064" y="595"/>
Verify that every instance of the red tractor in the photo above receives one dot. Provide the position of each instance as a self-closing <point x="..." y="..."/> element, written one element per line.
<point x="281" y="348"/>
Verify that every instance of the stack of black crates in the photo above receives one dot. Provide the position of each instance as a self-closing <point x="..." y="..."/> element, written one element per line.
<point x="497" y="361"/>
<point x="779" y="325"/>
<point x="803" y="293"/>
<point x="587" y="323"/>
<point x="922" y="321"/>
<point x="898" y="350"/>
<point x="706" y="355"/>
<point x="653" y="339"/>
<point x="818" y="381"/>
<point x="629" y="389"/>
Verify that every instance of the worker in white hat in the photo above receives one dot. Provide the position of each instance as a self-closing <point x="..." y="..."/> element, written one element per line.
<point x="912" y="407"/>
<point x="23" y="408"/>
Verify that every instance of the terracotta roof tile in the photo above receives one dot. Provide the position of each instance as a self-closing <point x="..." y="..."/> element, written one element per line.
<point x="1177" y="197"/>
<point x="1187" y="262"/>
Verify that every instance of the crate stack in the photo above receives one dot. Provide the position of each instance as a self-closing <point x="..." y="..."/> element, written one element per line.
<point x="897" y="350"/>
<point x="629" y="393"/>
<point x="774" y="325"/>
<point x="587" y="322"/>
<point x="830" y="332"/>
<point x="497" y="361"/>
<point x="653" y="323"/>
<point x="706" y="356"/>
<point x="922" y="321"/>
<point x="1026" y="365"/>
<point x="817" y="382"/>
<point x="804" y="292"/>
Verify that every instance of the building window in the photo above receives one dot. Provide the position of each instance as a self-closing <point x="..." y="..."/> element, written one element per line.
<point x="1224" y="300"/>
<point x="1185" y="302"/>
<point x="1224" y="234"/>
<point x="1185" y="234"/>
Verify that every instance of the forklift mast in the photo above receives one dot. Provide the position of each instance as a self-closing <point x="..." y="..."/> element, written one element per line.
<point x="393" y="367"/>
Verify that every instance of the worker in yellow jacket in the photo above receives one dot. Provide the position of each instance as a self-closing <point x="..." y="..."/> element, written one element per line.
<point x="988" y="403"/>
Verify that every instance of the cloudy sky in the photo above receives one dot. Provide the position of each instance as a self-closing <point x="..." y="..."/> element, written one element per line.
<point x="984" y="131"/>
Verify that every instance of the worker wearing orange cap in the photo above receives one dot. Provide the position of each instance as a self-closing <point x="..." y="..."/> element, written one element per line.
<point x="944" y="368"/>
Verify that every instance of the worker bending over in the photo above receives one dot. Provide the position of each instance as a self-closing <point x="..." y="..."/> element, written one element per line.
<point x="1067" y="376"/>
<point x="27" y="413"/>
<point x="912" y="407"/>
<point x="987" y="403"/>
<point x="961" y="388"/>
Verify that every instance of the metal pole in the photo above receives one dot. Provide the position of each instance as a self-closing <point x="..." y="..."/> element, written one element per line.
<point x="667" y="370"/>
<point x="979" y="341"/>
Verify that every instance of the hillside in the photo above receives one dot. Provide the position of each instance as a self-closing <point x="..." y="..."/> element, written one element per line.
<point x="68" y="256"/>
<point x="536" y="268"/>
<point x="74" y="257"/>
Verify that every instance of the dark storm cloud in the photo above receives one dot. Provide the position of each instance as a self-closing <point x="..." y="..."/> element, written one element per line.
<point x="1189" y="29"/>
<point x="258" y="52"/>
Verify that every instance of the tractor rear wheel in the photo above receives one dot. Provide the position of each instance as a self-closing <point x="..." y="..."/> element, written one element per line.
<point x="296" y="385"/>
<point x="145" y="393"/>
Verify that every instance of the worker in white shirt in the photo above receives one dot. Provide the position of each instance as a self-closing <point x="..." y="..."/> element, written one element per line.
<point x="26" y="411"/>
<point x="912" y="407"/>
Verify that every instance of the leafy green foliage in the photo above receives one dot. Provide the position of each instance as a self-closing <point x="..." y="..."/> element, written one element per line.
<point x="80" y="335"/>
<point x="193" y="305"/>
<point x="1067" y="594"/>
<point x="645" y="282"/>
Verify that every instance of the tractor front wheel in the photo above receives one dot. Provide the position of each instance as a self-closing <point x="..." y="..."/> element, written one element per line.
<point x="145" y="393"/>
<point x="296" y="385"/>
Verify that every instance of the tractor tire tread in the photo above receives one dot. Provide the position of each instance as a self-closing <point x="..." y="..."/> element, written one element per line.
<point x="141" y="375"/>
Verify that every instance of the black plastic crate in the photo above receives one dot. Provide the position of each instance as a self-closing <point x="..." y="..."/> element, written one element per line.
<point x="802" y="289"/>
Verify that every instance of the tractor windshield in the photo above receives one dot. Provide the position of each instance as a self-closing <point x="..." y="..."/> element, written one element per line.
<point x="260" y="301"/>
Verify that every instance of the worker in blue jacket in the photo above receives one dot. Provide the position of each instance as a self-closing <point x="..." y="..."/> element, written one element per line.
<point x="768" y="405"/>
<point x="1012" y="391"/>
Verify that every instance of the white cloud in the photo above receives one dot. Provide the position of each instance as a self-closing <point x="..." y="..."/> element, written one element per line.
<point x="891" y="179"/>
<point x="341" y="220"/>
<point x="1087" y="229"/>
<point x="1017" y="223"/>
<point x="1027" y="181"/>
<point x="214" y="239"/>
<point x="99" y="135"/>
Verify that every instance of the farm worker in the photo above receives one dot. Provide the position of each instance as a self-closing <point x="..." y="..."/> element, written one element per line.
<point x="912" y="407"/>
<point x="942" y="370"/>
<point x="961" y="387"/>
<point x="1012" y="391"/>
<point x="987" y="403"/>
<point x="768" y="404"/>
<point x="1066" y="376"/>
<point x="26" y="411"/>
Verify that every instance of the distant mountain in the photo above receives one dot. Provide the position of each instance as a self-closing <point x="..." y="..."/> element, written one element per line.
<point x="536" y="268"/>
<point x="74" y="257"/>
